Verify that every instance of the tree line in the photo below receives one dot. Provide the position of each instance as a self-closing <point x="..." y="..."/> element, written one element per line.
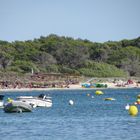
<point x="60" y="54"/>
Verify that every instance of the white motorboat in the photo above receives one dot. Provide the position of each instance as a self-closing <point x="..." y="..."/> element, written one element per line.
<point x="41" y="101"/>
<point x="1" y="101"/>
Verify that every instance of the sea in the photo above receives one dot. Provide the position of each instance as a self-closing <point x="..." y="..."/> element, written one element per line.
<point x="89" y="118"/>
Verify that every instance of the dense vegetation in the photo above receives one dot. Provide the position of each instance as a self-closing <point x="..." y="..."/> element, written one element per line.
<point x="55" y="54"/>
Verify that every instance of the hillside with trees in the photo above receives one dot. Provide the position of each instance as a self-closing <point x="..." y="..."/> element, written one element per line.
<point x="59" y="54"/>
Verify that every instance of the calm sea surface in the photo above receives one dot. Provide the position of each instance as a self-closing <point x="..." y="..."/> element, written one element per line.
<point x="89" y="118"/>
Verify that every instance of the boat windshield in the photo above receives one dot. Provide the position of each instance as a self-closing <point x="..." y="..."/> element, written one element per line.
<point x="43" y="96"/>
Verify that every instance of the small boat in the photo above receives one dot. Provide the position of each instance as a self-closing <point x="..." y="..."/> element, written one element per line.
<point x="1" y="101"/>
<point x="17" y="107"/>
<point x="109" y="99"/>
<point x="41" y="101"/>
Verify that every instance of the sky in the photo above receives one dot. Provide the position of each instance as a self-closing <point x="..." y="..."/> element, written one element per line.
<point x="95" y="20"/>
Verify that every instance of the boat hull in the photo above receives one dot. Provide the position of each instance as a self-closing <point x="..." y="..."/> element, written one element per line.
<point x="1" y="104"/>
<point x="35" y="101"/>
<point x="17" y="107"/>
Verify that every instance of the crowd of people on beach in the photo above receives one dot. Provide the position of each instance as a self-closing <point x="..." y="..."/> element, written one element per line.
<point x="128" y="83"/>
<point x="39" y="80"/>
<point x="19" y="85"/>
<point x="64" y="81"/>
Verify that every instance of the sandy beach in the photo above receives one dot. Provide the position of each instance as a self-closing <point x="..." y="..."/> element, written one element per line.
<point x="73" y="87"/>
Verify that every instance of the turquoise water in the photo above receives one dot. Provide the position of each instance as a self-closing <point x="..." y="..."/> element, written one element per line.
<point x="89" y="118"/>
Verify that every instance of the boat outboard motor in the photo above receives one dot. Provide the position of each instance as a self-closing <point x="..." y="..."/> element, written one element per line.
<point x="1" y="97"/>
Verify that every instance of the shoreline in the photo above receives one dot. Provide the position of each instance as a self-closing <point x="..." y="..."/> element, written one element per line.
<point x="77" y="87"/>
<point x="91" y="84"/>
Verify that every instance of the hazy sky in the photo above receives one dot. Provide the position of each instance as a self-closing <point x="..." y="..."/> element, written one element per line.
<point x="95" y="20"/>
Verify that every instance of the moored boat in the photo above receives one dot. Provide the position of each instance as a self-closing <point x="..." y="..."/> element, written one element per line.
<point x="14" y="106"/>
<point x="109" y="99"/>
<point x="41" y="101"/>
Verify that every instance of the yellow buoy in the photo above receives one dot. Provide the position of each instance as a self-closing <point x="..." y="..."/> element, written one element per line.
<point x="133" y="110"/>
<point x="98" y="92"/>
